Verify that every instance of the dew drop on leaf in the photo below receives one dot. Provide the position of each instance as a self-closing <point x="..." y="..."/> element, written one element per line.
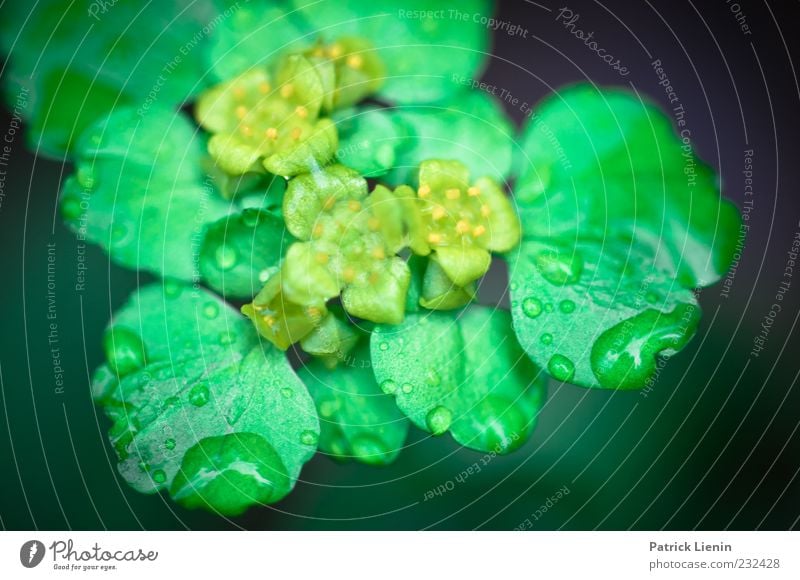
<point x="389" y="387"/>
<point x="439" y="420"/>
<point x="225" y="338"/>
<point x="226" y="257"/>
<point x="532" y="307"/>
<point x="71" y="207"/>
<point x="566" y="306"/>
<point x="559" y="267"/>
<point x="384" y="346"/>
<point x="308" y="438"/>
<point x="169" y="444"/>
<point x="199" y="395"/>
<point x="407" y="388"/>
<point x="210" y="310"/>
<point x="560" y="367"/>
<point x="124" y="350"/>
<point x="159" y="476"/>
<point x="433" y="378"/>
<point x="548" y="307"/>
<point x="287" y="393"/>
<point x="172" y="288"/>
<point x="546" y="338"/>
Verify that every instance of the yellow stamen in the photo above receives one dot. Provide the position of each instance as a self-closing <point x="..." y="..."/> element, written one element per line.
<point x="355" y="61"/>
<point x="241" y="111"/>
<point x="317" y="231"/>
<point x="462" y="227"/>
<point x="354" y="205"/>
<point x="378" y="253"/>
<point x="349" y="274"/>
<point x="287" y="90"/>
<point x="438" y="213"/>
<point x="335" y="51"/>
<point x="238" y="92"/>
<point x="322" y="258"/>
<point x="479" y="231"/>
<point x="473" y="191"/>
<point x="485" y="210"/>
<point x="271" y="133"/>
<point x="269" y="320"/>
<point x="424" y="190"/>
<point x="434" y="238"/>
<point x="296" y="133"/>
<point x="373" y="224"/>
<point x="264" y="88"/>
<point x="247" y="131"/>
<point x="313" y="311"/>
<point x="301" y="111"/>
<point x="453" y="193"/>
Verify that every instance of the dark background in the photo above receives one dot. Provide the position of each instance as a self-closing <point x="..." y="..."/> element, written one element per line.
<point x="714" y="445"/>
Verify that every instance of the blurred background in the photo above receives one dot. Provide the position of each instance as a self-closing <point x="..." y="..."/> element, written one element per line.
<point x="713" y="445"/>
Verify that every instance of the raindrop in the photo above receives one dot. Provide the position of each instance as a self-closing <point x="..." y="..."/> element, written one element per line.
<point x="389" y="387"/>
<point x="226" y="257"/>
<point x="560" y="367"/>
<point x="309" y="438"/>
<point x="159" y="476"/>
<point x="287" y="393"/>
<point x="559" y="267"/>
<point x="546" y="338"/>
<point x="407" y="388"/>
<point x="210" y="310"/>
<point x="566" y="306"/>
<point x="169" y="444"/>
<point x="439" y="419"/>
<point x="384" y="346"/>
<point x="532" y="307"/>
<point x="199" y="395"/>
<point x="124" y="350"/>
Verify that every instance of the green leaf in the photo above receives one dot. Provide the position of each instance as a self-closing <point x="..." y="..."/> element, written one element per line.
<point x="200" y="407"/>
<point x="471" y="128"/>
<point x="619" y="220"/>
<point x="252" y="35"/>
<point x="77" y="61"/>
<point x="139" y="191"/>
<point x="598" y="313"/>
<point x="241" y="251"/>
<point x="420" y="41"/>
<point x="370" y="139"/>
<point x="463" y="372"/>
<point x="603" y="161"/>
<point x="358" y="421"/>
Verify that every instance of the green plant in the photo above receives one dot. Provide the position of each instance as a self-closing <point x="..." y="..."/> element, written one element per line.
<point x="264" y="202"/>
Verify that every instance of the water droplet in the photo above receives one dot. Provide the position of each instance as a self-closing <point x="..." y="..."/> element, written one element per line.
<point x="143" y="466"/>
<point x="559" y="267"/>
<point x="560" y="367"/>
<point x="328" y="407"/>
<point x="287" y="393"/>
<point x="85" y="178"/>
<point x="225" y="338"/>
<point x="199" y="395"/>
<point x="433" y="378"/>
<point x="384" y="346"/>
<point x="495" y="424"/>
<point x="171" y="402"/>
<point x="172" y="288"/>
<point x="229" y="473"/>
<point x="159" y="476"/>
<point x="439" y="420"/>
<point x="367" y="448"/>
<point x="548" y="307"/>
<point x="211" y="310"/>
<point x="124" y="350"/>
<point x="226" y="257"/>
<point x="532" y="307"/>
<point x="566" y="306"/>
<point x="389" y="387"/>
<point x="309" y="438"/>
<point x="624" y="356"/>
<point x="512" y="286"/>
<point x="266" y="274"/>
<point x="170" y="444"/>
<point x="407" y="388"/>
<point x="546" y="338"/>
<point x="71" y="207"/>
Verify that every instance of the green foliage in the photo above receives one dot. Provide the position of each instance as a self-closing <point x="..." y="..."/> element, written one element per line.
<point x="613" y="224"/>
<point x="200" y="407"/>
<point x="463" y="373"/>
<point x="80" y="60"/>
<point x="139" y="191"/>
<point x="620" y="220"/>
<point x="422" y="52"/>
<point x="358" y="421"/>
